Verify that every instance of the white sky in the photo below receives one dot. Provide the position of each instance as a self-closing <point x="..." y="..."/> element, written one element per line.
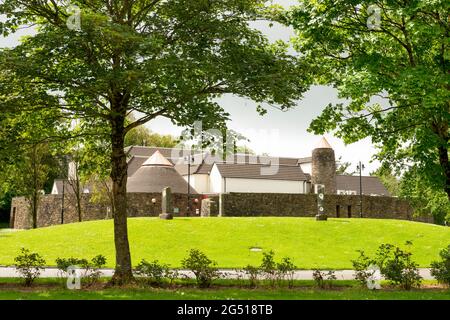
<point x="277" y="133"/>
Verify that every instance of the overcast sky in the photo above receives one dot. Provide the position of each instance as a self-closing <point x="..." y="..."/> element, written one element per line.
<point x="276" y="133"/>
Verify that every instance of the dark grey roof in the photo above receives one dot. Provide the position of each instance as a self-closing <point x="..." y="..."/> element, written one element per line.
<point x="69" y="187"/>
<point x="134" y="164"/>
<point x="305" y="160"/>
<point x="172" y="154"/>
<point x="156" y="178"/>
<point x="370" y="185"/>
<point x="253" y="171"/>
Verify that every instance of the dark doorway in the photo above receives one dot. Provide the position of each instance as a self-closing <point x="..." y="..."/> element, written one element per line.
<point x="349" y="211"/>
<point x="338" y="211"/>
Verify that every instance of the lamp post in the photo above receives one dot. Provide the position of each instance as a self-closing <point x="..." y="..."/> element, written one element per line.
<point x="62" y="202"/>
<point x="153" y="206"/>
<point x="189" y="159"/>
<point x="360" y="167"/>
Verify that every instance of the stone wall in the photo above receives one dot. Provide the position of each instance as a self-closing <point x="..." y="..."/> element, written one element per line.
<point x="233" y="204"/>
<point x="305" y="205"/>
<point x="50" y="209"/>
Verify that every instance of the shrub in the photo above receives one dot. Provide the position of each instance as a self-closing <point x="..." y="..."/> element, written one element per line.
<point x="323" y="278"/>
<point x="286" y="271"/>
<point x="92" y="271"/>
<point x="252" y="273"/>
<point x="203" y="268"/>
<point x="154" y="272"/>
<point x="29" y="265"/>
<point x="268" y="267"/>
<point x="64" y="263"/>
<point x="362" y="268"/>
<point x="441" y="269"/>
<point x="397" y="266"/>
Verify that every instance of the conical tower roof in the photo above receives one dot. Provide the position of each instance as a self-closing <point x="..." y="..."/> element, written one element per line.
<point x="323" y="144"/>
<point x="156" y="174"/>
<point x="157" y="159"/>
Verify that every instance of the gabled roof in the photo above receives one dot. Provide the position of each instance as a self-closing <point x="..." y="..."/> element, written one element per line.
<point x="254" y="171"/>
<point x="370" y="185"/>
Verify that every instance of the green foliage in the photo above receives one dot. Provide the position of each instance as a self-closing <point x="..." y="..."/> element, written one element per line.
<point x="153" y="272"/>
<point x="163" y="58"/>
<point x="91" y="269"/>
<point x="361" y="266"/>
<point x="343" y="168"/>
<point x="393" y="77"/>
<point x="29" y="265"/>
<point x="203" y="268"/>
<point x="441" y="269"/>
<point x="397" y="266"/>
<point x="425" y="199"/>
<point x="324" y="279"/>
<point x="269" y="267"/>
<point x="389" y="180"/>
<point x="286" y="270"/>
<point x="142" y="136"/>
<point x="252" y="273"/>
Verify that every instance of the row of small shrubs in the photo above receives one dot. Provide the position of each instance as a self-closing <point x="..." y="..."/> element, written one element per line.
<point x="397" y="266"/>
<point x="271" y="271"/>
<point x="30" y="266"/>
<point x="394" y="264"/>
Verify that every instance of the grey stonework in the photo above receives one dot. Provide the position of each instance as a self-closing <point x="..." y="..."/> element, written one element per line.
<point x="323" y="169"/>
<point x="305" y="205"/>
<point x="49" y="213"/>
<point x="166" y="204"/>
<point x="233" y="204"/>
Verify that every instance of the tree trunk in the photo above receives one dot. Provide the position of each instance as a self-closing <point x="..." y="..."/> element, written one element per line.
<point x="123" y="273"/>
<point x="444" y="162"/>
<point x="34" y="196"/>
<point x="440" y="128"/>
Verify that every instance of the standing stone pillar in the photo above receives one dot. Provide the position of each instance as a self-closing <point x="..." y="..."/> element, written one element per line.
<point x="166" y="204"/>
<point x="221" y="205"/>
<point x="205" y="208"/>
<point x="321" y="215"/>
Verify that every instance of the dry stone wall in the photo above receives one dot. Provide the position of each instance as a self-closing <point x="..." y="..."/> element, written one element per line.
<point x="50" y="209"/>
<point x="233" y="204"/>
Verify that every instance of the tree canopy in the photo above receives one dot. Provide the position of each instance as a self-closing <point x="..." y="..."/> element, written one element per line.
<point x="157" y="58"/>
<point x="389" y="60"/>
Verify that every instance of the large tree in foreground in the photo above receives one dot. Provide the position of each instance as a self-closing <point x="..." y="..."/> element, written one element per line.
<point x="166" y="58"/>
<point x="395" y="53"/>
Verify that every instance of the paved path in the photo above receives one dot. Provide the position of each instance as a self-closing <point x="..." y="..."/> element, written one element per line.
<point x="9" y="272"/>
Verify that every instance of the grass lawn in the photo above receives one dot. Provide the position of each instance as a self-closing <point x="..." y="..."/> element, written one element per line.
<point x="51" y="289"/>
<point x="311" y="244"/>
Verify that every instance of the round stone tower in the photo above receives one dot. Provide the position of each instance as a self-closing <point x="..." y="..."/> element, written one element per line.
<point x="324" y="167"/>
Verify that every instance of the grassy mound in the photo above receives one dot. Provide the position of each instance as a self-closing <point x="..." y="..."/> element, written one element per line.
<point x="311" y="244"/>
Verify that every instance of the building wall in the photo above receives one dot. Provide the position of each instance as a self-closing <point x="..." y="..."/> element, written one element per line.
<point x="305" y="205"/>
<point x="216" y="181"/>
<point x="306" y="167"/>
<point x="49" y="212"/>
<point x="200" y="182"/>
<point x="264" y="186"/>
<point x="233" y="204"/>
<point x="218" y="184"/>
